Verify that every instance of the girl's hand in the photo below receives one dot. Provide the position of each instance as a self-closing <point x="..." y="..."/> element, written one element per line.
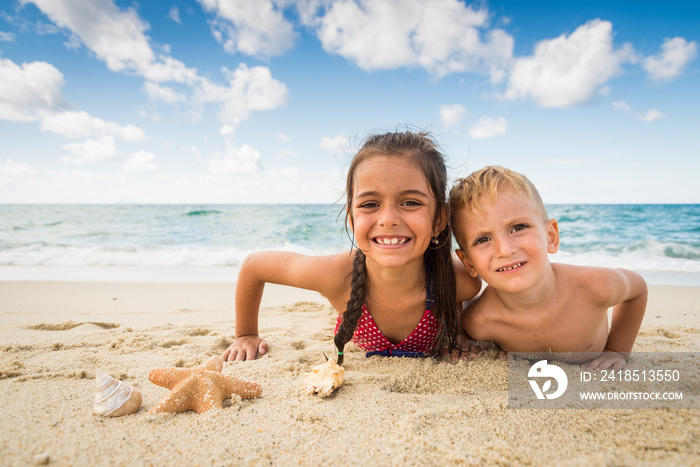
<point x="466" y="348"/>
<point x="245" y="348"/>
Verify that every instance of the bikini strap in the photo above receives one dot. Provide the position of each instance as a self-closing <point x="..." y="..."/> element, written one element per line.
<point x="430" y="299"/>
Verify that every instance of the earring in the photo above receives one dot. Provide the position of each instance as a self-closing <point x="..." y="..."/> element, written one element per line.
<point x="435" y="240"/>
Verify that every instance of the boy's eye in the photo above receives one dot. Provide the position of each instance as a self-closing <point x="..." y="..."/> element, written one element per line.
<point x="481" y="240"/>
<point x="519" y="227"/>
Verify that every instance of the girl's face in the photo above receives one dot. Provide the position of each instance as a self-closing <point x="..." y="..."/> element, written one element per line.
<point x="393" y="211"/>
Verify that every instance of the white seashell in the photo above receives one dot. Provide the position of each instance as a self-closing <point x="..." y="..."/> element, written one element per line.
<point x="114" y="398"/>
<point x="324" y="379"/>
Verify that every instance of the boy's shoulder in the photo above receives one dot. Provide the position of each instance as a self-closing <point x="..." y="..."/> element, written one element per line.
<point x="593" y="281"/>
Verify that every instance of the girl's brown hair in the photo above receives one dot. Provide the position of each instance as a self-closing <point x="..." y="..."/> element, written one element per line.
<point x="420" y="149"/>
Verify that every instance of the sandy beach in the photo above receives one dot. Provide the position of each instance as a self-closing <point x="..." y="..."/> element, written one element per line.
<point x="390" y="411"/>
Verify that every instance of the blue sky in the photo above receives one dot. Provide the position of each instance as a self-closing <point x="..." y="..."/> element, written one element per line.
<point x="215" y="101"/>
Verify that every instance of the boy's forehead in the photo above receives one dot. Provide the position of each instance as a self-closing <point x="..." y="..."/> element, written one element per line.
<point x="506" y="202"/>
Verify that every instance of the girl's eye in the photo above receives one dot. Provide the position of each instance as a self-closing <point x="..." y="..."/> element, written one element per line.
<point x="369" y="205"/>
<point x="412" y="203"/>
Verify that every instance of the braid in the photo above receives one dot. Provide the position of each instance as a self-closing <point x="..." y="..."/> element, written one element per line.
<point x="354" y="308"/>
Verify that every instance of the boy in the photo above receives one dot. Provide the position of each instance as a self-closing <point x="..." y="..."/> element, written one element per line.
<point x="530" y="304"/>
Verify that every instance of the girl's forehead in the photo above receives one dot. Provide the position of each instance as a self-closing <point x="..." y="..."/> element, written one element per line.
<point x="388" y="167"/>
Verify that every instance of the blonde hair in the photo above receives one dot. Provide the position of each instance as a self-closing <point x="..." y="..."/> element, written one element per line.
<point x="485" y="184"/>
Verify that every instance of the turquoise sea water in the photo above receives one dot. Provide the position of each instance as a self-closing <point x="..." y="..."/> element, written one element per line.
<point x="209" y="242"/>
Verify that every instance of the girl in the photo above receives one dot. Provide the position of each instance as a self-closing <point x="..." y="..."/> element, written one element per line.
<point x="396" y="291"/>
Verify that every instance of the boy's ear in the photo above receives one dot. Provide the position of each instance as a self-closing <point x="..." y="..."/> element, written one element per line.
<point x="552" y="236"/>
<point x="465" y="261"/>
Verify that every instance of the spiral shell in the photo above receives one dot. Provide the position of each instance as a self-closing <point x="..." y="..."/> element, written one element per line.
<point x="323" y="379"/>
<point x="114" y="398"/>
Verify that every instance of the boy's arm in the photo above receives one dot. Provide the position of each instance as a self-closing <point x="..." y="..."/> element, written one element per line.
<point x="628" y="291"/>
<point x="318" y="273"/>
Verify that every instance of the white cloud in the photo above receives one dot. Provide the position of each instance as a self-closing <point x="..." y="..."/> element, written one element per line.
<point x="80" y="124"/>
<point x="568" y="70"/>
<point x="140" y="162"/>
<point x="118" y="37"/>
<point x="283" y="137"/>
<point x="334" y="143"/>
<point x="671" y="59"/>
<point x="451" y="115"/>
<point x="249" y="89"/>
<point x="236" y="161"/>
<point x="649" y="116"/>
<point x="91" y="151"/>
<point x="488" y="127"/>
<point x="162" y="93"/>
<point x="252" y="27"/>
<point x="7" y="37"/>
<point x="441" y="36"/>
<point x="10" y="168"/>
<point x="115" y="36"/>
<point x="28" y="89"/>
<point x="284" y="154"/>
<point x="174" y="14"/>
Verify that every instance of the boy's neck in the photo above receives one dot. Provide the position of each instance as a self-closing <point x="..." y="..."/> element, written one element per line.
<point x="538" y="296"/>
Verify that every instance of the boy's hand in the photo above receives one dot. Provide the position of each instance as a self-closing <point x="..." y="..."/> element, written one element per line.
<point x="608" y="359"/>
<point x="245" y="348"/>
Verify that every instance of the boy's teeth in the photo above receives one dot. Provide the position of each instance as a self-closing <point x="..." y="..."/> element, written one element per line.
<point x="512" y="267"/>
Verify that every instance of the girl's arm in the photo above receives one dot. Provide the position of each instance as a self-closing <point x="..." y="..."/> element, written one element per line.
<point x="324" y="274"/>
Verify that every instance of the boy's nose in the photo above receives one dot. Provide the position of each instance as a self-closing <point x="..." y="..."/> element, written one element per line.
<point x="505" y="247"/>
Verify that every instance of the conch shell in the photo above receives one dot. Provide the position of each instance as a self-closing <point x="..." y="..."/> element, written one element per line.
<point x="324" y="379"/>
<point x="114" y="398"/>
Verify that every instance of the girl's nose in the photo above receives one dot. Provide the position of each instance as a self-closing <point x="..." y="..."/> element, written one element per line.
<point x="389" y="216"/>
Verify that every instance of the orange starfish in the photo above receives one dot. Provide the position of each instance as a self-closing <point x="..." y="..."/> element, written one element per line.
<point x="199" y="388"/>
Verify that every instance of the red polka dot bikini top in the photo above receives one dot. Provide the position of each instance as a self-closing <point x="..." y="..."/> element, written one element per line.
<point x="368" y="337"/>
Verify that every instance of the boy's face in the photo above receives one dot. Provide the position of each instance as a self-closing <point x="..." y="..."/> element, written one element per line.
<point x="507" y="242"/>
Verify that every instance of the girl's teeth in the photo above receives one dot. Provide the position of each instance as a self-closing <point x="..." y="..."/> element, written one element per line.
<point x="391" y="241"/>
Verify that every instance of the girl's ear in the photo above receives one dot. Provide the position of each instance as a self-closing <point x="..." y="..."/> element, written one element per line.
<point x="467" y="264"/>
<point x="552" y="236"/>
<point x="442" y="219"/>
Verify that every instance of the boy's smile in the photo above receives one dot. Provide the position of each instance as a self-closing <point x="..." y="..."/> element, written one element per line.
<point x="506" y="242"/>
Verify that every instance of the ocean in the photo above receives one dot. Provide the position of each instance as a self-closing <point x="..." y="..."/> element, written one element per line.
<point x="207" y="243"/>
